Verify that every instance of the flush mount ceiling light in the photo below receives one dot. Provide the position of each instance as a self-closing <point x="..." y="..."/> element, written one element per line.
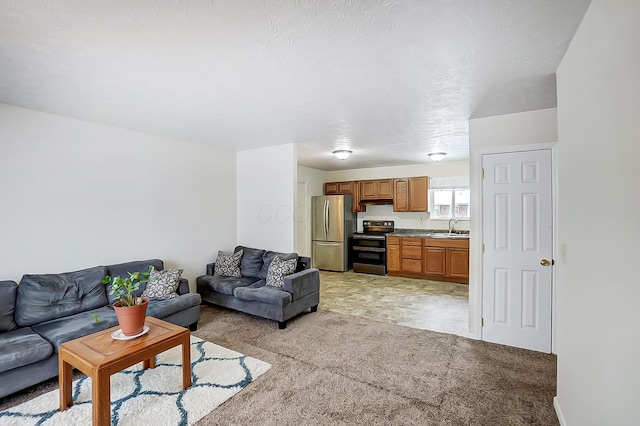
<point x="437" y="156"/>
<point x="342" y="154"/>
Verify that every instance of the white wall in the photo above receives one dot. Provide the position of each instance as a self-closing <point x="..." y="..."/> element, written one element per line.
<point x="75" y="194"/>
<point x="599" y="150"/>
<point x="497" y="134"/>
<point x="267" y="181"/>
<point x="313" y="181"/>
<point x="404" y="220"/>
<point x="514" y="129"/>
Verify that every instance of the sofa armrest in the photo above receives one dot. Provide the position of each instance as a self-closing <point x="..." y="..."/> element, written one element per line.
<point x="183" y="288"/>
<point x="210" y="268"/>
<point x="302" y="283"/>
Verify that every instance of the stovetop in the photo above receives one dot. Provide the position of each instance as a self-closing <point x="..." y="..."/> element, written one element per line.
<point x="375" y="229"/>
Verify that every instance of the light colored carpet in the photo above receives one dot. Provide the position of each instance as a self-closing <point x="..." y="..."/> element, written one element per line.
<point x="338" y="369"/>
<point x="333" y="368"/>
<point x="153" y="396"/>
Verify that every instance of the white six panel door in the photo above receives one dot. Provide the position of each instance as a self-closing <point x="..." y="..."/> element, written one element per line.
<point x="517" y="228"/>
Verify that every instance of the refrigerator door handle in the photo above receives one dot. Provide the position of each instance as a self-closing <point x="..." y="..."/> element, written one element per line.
<point x="326" y="218"/>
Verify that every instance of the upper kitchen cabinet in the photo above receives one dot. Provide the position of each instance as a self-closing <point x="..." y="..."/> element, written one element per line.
<point x="411" y="194"/>
<point x="344" y="188"/>
<point x="378" y="189"/>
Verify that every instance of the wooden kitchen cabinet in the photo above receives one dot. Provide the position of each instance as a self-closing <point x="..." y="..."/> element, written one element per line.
<point x="411" y="194"/>
<point x="404" y="256"/>
<point x="446" y="259"/>
<point x="458" y="263"/>
<point x="378" y="189"/>
<point x="346" y="188"/>
<point x="393" y="254"/>
<point x="340" y="188"/>
<point x="439" y="259"/>
<point x="435" y="261"/>
<point x="411" y="255"/>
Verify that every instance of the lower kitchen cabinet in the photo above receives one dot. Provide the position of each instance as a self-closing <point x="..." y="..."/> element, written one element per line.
<point x="435" y="261"/>
<point x="411" y="255"/>
<point x="446" y="259"/>
<point x="439" y="259"/>
<point x="458" y="263"/>
<point x="393" y="254"/>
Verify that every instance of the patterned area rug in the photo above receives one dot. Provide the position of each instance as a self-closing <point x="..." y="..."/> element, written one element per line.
<point x="153" y="396"/>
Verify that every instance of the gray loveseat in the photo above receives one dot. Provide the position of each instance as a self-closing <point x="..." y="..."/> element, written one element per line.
<point x="44" y="311"/>
<point x="250" y="294"/>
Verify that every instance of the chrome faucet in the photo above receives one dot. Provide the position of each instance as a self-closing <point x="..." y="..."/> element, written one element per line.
<point x="452" y="225"/>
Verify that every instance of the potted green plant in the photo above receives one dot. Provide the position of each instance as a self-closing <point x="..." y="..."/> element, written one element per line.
<point x="131" y="309"/>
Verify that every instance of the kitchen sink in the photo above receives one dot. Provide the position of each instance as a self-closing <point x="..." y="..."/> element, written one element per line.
<point x="447" y="235"/>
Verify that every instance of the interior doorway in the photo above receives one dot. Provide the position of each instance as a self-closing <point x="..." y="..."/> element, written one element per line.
<point x="517" y="228"/>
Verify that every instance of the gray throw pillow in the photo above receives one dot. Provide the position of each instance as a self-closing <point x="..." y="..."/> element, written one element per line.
<point x="228" y="264"/>
<point x="163" y="284"/>
<point x="278" y="269"/>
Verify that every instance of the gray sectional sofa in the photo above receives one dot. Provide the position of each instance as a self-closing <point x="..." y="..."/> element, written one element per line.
<point x="44" y="311"/>
<point x="250" y="294"/>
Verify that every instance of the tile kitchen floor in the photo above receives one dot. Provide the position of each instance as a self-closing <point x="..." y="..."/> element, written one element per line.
<point x="428" y="305"/>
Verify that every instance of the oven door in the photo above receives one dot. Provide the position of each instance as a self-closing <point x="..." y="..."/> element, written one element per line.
<point x="369" y="255"/>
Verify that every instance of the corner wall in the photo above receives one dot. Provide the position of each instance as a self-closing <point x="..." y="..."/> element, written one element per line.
<point x="599" y="150"/>
<point x="76" y="194"/>
<point x="312" y="181"/>
<point x="267" y="182"/>
<point x="501" y="133"/>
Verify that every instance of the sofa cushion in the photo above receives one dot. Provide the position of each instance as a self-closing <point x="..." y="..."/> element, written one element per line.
<point x="263" y="293"/>
<point x="26" y="347"/>
<point x="60" y="330"/>
<point x="48" y="296"/>
<point x="267" y="258"/>
<point x="251" y="262"/>
<point x="278" y="269"/>
<point x="8" y="290"/>
<point x="228" y="264"/>
<point x="122" y="269"/>
<point x="162" y="308"/>
<point x="224" y="285"/>
<point x="163" y="284"/>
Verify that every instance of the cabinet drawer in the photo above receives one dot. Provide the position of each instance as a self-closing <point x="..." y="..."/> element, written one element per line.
<point x="411" y="252"/>
<point x="412" y="265"/>
<point x="393" y="240"/>
<point x="411" y="241"/>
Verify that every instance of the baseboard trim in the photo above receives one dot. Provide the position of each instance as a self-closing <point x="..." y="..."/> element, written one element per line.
<point x="556" y="405"/>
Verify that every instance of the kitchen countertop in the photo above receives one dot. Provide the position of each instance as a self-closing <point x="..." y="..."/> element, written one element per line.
<point x="430" y="233"/>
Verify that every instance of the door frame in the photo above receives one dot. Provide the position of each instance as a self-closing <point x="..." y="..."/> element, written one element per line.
<point x="477" y="237"/>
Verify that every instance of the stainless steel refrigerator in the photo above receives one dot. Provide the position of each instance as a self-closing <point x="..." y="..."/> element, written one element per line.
<point x="332" y="224"/>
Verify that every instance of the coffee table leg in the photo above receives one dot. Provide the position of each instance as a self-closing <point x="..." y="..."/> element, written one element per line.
<point x="64" y="382"/>
<point x="101" y="398"/>
<point x="149" y="363"/>
<point x="186" y="362"/>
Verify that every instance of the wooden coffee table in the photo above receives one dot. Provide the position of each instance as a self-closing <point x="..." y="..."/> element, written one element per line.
<point x="98" y="356"/>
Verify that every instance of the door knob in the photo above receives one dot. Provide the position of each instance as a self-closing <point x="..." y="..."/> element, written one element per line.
<point x="545" y="262"/>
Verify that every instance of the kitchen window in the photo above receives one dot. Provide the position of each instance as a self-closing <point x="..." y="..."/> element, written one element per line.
<point x="450" y="198"/>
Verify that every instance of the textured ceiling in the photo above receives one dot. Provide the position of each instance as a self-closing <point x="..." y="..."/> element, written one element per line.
<point x="392" y="80"/>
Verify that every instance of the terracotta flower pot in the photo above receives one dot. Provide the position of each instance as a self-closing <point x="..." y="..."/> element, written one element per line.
<point x="131" y="318"/>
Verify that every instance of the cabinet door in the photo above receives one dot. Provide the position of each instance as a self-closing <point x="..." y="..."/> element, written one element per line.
<point x="384" y="188"/>
<point x="367" y="190"/>
<point x="458" y="263"/>
<point x="346" y="187"/>
<point x="418" y="189"/>
<point x="393" y="258"/>
<point x="331" y="188"/>
<point x="434" y="261"/>
<point x="400" y="195"/>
